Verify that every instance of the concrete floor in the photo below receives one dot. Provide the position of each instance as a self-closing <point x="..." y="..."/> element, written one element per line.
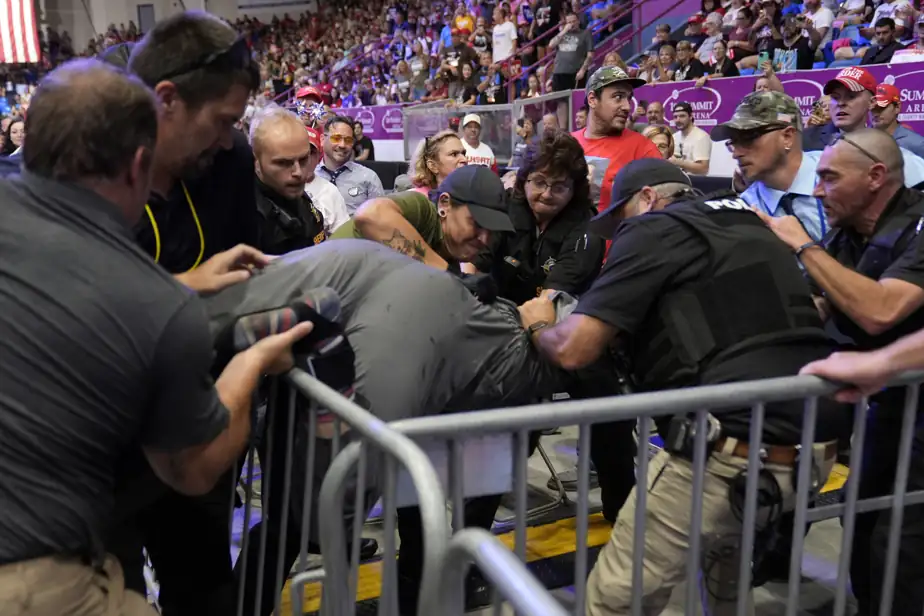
<point x="819" y="563"/>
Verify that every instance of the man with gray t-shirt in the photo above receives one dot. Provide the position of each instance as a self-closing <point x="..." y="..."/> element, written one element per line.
<point x="575" y="53"/>
<point x="423" y="345"/>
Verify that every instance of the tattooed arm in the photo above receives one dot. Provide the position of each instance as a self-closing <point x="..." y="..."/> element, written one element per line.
<point x="382" y="220"/>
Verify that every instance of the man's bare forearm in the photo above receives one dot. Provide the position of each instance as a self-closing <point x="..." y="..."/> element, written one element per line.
<point x="412" y="248"/>
<point x="905" y="354"/>
<point x="195" y="470"/>
<point x="862" y="299"/>
<point x="382" y="221"/>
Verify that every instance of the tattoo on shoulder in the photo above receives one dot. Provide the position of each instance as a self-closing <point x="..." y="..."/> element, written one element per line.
<point x="401" y="243"/>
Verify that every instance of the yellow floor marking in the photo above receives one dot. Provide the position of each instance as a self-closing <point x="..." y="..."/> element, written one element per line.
<point x="543" y="541"/>
<point x="837" y="479"/>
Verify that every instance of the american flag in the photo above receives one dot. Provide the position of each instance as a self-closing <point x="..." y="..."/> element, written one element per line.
<point x="18" y="32"/>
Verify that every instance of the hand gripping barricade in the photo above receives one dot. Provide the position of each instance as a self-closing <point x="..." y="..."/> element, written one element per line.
<point x="457" y="432"/>
<point x="303" y="403"/>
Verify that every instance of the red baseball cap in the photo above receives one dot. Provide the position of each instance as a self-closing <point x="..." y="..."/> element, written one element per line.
<point x="696" y="18"/>
<point x="855" y="79"/>
<point x="314" y="136"/>
<point x="886" y="94"/>
<point x="309" y="91"/>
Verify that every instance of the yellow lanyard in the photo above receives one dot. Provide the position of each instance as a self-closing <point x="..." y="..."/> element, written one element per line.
<point x="192" y="208"/>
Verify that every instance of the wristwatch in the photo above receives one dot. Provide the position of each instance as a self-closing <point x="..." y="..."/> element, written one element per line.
<point x="532" y="329"/>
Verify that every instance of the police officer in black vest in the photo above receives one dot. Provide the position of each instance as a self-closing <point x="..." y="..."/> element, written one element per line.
<point x="701" y="293"/>
<point x="284" y="151"/>
<point x="869" y="278"/>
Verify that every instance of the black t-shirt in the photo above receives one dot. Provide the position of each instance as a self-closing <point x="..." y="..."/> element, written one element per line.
<point x="694" y="70"/>
<point x="796" y="56"/>
<point x="652" y="255"/>
<point x="224" y="202"/>
<point x="481" y="43"/>
<point x="726" y="69"/>
<point x="848" y="247"/>
<point x="364" y="144"/>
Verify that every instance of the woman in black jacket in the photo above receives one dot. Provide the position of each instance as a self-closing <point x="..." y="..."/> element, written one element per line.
<point x="549" y="206"/>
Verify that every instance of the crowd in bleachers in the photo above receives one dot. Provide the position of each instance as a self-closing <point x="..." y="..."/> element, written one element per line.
<point x="736" y="38"/>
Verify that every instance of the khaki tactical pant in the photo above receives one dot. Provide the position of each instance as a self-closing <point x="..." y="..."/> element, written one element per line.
<point x="57" y="586"/>
<point x="667" y="540"/>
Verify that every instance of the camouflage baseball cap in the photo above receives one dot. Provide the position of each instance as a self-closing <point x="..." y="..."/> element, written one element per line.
<point x="759" y="110"/>
<point x="607" y="76"/>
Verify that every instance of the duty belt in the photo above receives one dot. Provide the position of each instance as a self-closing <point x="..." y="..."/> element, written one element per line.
<point x="784" y="455"/>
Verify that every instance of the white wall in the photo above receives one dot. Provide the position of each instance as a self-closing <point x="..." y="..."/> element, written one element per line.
<point x="264" y="10"/>
<point x="83" y="19"/>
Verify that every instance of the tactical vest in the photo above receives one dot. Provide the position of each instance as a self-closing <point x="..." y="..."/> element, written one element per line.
<point x="283" y="231"/>
<point x="750" y="296"/>
<point x="883" y="249"/>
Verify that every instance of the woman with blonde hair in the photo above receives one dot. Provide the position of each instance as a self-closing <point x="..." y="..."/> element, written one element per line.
<point x="661" y="136"/>
<point x="434" y="159"/>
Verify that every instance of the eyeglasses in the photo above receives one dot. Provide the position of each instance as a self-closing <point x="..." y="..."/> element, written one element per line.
<point x="559" y="189"/>
<point x="746" y="138"/>
<point x="338" y="139"/>
<point x="237" y="55"/>
<point x="865" y="152"/>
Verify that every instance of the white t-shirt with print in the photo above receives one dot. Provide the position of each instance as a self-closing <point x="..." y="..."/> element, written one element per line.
<point x="888" y="9"/>
<point x="502" y="38"/>
<point x="482" y="155"/>
<point x="695" y="147"/>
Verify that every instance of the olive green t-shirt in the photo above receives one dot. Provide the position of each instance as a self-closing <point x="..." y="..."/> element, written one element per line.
<point x="417" y="210"/>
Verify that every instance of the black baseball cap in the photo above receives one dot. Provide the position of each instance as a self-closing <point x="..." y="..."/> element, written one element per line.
<point x="683" y="106"/>
<point x="631" y="179"/>
<point x="483" y="192"/>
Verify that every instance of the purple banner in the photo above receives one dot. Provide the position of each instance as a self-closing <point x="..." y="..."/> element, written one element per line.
<point x="381" y="122"/>
<point x="716" y="101"/>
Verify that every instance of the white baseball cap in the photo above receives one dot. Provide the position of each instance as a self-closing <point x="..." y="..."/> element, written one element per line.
<point x="471" y="117"/>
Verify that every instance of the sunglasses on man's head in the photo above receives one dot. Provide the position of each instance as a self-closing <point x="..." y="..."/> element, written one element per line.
<point x="863" y="150"/>
<point x="238" y="55"/>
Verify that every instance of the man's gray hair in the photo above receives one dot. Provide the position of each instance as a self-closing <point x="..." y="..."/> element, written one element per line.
<point x="668" y="190"/>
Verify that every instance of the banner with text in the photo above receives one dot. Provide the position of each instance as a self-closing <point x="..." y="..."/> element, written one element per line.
<point x="712" y="104"/>
<point x="715" y="102"/>
<point x="381" y="122"/>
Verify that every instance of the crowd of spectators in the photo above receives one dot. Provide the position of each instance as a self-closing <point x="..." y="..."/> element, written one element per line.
<point x="735" y="38"/>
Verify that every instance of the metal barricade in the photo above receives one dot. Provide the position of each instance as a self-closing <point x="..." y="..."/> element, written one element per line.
<point x="367" y="465"/>
<point x="508" y="575"/>
<point x="538" y="107"/>
<point x="497" y="125"/>
<point x="454" y="431"/>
